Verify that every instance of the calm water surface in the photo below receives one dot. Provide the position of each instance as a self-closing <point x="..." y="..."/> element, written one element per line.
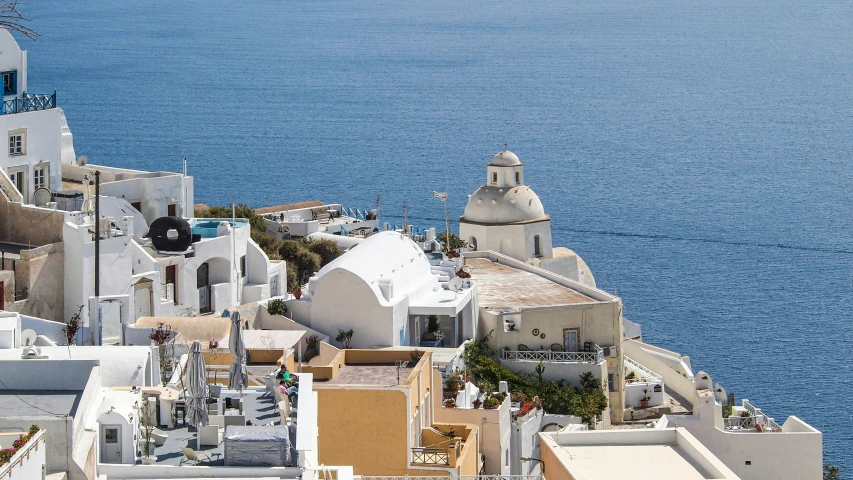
<point x="696" y="154"/>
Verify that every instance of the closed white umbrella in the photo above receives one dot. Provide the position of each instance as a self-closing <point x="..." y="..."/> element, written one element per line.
<point x="238" y="379"/>
<point x="196" y="387"/>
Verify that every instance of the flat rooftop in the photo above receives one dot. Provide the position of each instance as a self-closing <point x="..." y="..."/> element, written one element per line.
<point x="503" y="286"/>
<point x="379" y="374"/>
<point x="637" y="462"/>
<point x="39" y="403"/>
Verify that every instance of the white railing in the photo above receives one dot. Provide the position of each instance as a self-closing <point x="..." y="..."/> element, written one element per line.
<point x="167" y="292"/>
<point x="755" y="418"/>
<point x="22" y="454"/>
<point x="594" y="356"/>
<point x="641" y="373"/>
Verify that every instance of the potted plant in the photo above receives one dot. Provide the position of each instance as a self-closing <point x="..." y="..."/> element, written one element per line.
<point x="492" y="403"/>
<point x="416" y="355"/>
<point x="311" y="351"/>
<point x="467" y="373"/>
<point x="452" y="384"/>
<point x="145" y="416"/>
<point x="72" y="327"/>
<point x="477" y="403"/>
<point x="344" y="337"/>
<point x="450" y="403"/>
<point x="644" y="402"/>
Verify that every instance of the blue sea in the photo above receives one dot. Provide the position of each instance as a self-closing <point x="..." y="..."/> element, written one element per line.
<point x="696" y="154"/>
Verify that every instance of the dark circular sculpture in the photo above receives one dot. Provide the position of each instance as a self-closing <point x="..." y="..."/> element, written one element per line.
<point x="170" y="234"/>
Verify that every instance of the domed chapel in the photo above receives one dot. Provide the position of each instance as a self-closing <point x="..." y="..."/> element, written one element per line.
<point x="506" y="216"/>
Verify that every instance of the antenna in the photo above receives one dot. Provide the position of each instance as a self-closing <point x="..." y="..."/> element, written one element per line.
<point x="405" y="217"/>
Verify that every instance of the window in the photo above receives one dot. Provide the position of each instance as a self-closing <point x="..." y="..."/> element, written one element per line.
<point x="243" y="266"/>
<point x="17" y="179"/>
<point x="537" y="252"/>
<point x="39" y="177"/>
<point x="10" y="83"/>
<point x="610" y="384"/>
<point x="18" y="142"/>
<point x="494" y="177"/>
<point x="518" y="178"/>
<point x="506" y="458"/>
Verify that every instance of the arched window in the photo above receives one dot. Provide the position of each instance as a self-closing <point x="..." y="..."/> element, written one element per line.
<point x="472" y="242"/>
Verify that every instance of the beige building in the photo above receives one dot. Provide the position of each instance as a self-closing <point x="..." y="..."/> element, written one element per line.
<point x="532" y="315"/>
<point x="376" y="412"/>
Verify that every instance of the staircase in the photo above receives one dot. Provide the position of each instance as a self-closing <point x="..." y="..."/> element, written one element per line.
<point x="641" y="373"/>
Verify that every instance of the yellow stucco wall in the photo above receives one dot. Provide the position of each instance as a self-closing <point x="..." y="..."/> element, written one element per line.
<point x="554" y="468"/>
<point x="363" y="428"/>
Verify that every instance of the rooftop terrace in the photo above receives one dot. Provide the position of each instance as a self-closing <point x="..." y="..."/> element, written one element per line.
<point x="381" y="374"/>
<point x="20" y="403"/>
<point x="501" y="285"/>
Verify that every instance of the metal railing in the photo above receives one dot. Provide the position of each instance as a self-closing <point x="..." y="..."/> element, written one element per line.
<point x="554" y="357"/>
<point x="29" y="103"/>
<point x="641" y="373"/>
<point x="22" y="294"/>
<point x="430" y="456"/>
<point x="22" y="454"/>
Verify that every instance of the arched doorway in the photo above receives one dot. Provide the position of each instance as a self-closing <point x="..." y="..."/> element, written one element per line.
<point x="472" y="242"/>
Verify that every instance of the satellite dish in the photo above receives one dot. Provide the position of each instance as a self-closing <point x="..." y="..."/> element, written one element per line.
<point x="82" y="160"/>
<point x="28" y="337"/>
<point x="42" y="196"/>
<point x="720" y="393"/>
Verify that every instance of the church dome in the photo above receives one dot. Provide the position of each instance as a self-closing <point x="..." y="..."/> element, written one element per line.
<point x="492" y="205"/>
<point x="505" y="159"/>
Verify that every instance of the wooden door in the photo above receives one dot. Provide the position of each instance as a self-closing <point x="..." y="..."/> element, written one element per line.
<point x="172" y="210"/>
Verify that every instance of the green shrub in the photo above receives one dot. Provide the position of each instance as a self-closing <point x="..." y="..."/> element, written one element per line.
<point x="276" y="307"/>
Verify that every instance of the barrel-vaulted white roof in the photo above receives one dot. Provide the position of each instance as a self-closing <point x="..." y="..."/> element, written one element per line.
<point x="382" y="258"/>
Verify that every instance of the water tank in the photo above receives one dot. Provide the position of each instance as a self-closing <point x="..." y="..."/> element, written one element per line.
<point x="170" y="234"/>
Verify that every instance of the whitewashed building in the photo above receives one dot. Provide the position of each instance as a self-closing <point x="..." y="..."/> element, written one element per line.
<point x="384" y="289"/>
<point x="506" y="216"/>
<point x="37" y="136"/>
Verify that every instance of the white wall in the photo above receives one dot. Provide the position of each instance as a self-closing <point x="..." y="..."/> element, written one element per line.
<point x="634" y="393"/>
<point x="27" y="463"/>
<point x="43" y="146"/>
<point x="341" y="300"/>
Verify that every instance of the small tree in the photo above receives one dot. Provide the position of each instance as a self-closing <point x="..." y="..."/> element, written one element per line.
<point x="73" y="326"/>
<point x="326" y="249"/>
<point x="145" y="417"/>
<point x="344" y="337"/>
<point x="307" y="262"/>
<point x="163" y="336"/>
<point x="433" y="325"/>
<point x="540" y="369"/>
<point x="830" y="472"/>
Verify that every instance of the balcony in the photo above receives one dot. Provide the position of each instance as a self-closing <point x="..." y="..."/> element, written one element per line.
<point x="750" y="419"/>
<point x="431" y="456"/>
<point x="446" y="446"/>
<point x="595" y="355"/>
<point x="29" y="103"/>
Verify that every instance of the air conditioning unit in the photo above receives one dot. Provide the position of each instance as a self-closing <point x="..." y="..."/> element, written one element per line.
<point x="611" y="352"/>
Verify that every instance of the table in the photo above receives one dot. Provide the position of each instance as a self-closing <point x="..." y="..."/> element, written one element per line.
<point x="167" y="396"/>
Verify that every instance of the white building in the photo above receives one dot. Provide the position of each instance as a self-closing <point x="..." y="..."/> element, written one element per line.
<point x="385" y="289"/>
<point x="506" y="216"/>
<point x="37" y="134"/>
<point x="645" y="454"/>
<point x="530" y="315"/>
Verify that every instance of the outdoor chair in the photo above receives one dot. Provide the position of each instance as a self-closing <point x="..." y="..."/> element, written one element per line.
<point x="556" y="347"/>
<point x="587" y="346"/>
<point x="193" y="458"/>
<point x="523" y="348"/>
